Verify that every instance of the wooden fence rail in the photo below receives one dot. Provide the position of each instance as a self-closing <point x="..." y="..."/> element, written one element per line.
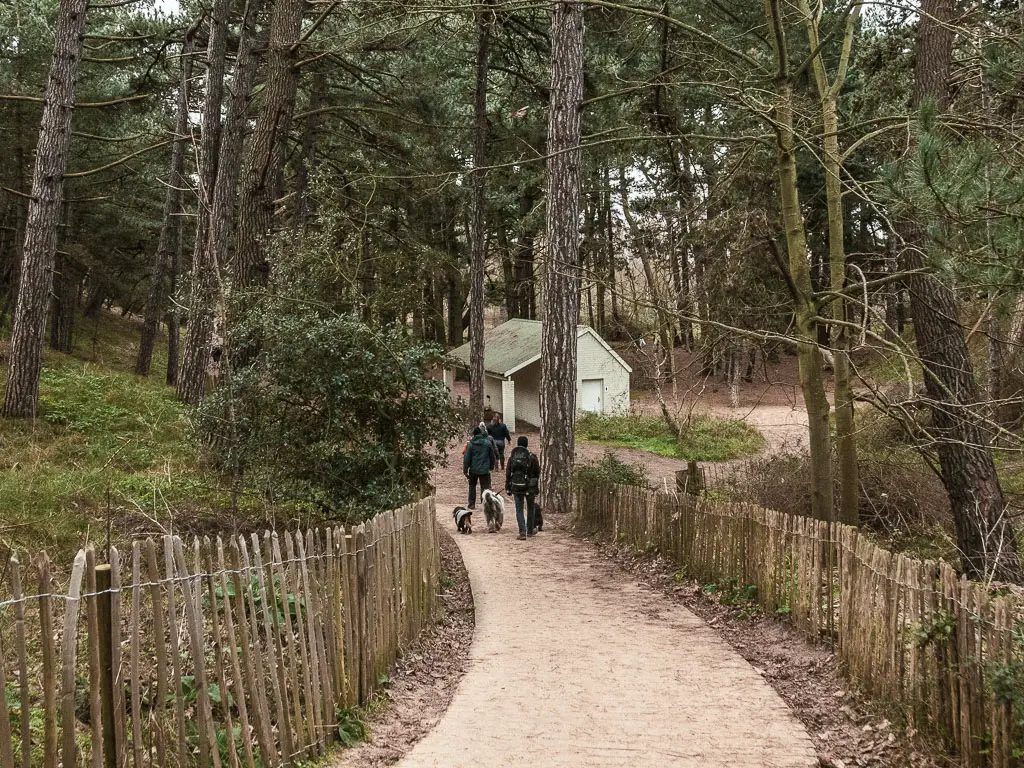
<point x="213" y="653"/>
<point x="942" y="649"/>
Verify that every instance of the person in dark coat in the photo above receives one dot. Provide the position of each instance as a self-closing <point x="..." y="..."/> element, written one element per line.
<point x="483" y="429"/>
<point x="522" y="479"/>
<point x="500" y="435"/>
<point x="477" y="463"/>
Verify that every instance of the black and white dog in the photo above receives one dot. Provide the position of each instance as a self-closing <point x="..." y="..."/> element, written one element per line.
<point x="463" y="519"/>
<point x="494" y="510"/>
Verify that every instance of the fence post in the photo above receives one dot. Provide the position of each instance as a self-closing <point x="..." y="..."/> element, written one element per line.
<point x="691" y="479"/>
<point x="103" y="613"/>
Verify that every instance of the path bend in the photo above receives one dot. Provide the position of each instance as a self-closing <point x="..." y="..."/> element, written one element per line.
<point x="574" y="665"/>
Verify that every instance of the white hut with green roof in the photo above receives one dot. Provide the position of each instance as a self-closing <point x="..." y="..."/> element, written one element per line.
<point x="512" y="372"/>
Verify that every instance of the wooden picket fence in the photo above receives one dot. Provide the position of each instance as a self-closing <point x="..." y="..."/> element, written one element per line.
<point x="225" y="653"/>
<point x="940" y="648"/>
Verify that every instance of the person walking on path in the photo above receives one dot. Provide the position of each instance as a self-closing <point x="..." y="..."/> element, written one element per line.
<point x="500" y="434"/>
<point x="522" y="479"/>
<point x="477" y="463"/>
<point x="482" y="426"/>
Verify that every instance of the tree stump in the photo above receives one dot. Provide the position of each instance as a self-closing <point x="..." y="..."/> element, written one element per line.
<point x="691" y="479"/>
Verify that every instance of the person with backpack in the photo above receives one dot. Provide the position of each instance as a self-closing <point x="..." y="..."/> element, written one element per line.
<point x="500" y="435"/>
<point x="477" y="462"/>
<point x="522" y="479"/>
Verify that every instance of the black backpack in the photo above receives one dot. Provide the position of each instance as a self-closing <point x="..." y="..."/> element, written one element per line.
<point x="519" y="468"/>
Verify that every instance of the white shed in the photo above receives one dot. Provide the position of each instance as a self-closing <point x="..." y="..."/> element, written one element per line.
<point x="512" y="372"/>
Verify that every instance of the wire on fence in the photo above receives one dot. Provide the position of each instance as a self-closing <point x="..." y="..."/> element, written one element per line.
<point x="213" y="653"/>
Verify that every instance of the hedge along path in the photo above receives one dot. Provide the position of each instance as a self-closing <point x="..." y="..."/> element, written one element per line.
<point x="574" y="666"/>
<point x="232" y="653"/>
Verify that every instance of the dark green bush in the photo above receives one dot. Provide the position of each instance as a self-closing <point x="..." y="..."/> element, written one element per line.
<point x="332" y="415"/>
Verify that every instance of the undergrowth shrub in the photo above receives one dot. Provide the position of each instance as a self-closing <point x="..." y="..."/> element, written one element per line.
<point x="609" y="470"/>
<point x="901" y="500"/>
<point x="333" y="417"/>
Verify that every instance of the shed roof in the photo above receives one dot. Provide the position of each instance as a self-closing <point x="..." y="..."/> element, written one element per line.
<point x="515" y="344"/>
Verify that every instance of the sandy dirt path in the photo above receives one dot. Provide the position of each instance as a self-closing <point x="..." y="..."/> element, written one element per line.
<point x="574" y="665"/>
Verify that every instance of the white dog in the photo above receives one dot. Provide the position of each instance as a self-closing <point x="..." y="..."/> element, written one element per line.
<point x="494" y="510"/>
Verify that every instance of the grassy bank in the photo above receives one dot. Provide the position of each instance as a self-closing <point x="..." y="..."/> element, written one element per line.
<point x="704" y="438"/>
<point x="109" y="450"/>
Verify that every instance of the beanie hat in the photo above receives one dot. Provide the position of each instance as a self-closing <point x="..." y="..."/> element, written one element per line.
<point x="476" y="431"/>
<point x="523" y="441"/>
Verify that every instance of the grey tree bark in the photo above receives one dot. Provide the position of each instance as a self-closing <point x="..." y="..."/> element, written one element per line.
<point x="170" y="227"/>
<point x="308" y="162"/>
<point x="562" y="279"/>
<point x="173" y="317"/>
<point x="265" y="158"/>
<point x="196" y="356"/>
<point x="828" y="91"/>
<point x="65" y="301"/>
<point x="29" y="328"/>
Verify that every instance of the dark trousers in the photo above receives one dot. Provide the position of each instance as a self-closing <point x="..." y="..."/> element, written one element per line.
<point x="485" y="484"/>
<point x="528" y="521"/>
<point x="500" y="444"/>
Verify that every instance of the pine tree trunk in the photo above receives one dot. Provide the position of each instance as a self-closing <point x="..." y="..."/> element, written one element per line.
<point x="308" y="162"/>
<point x="508" y="273"/>
<point x="170" y="228"/>
<point x="265" y="157"/>
<point x="220" y="233"/>
<point x="664" y="329"/>
<point x="173" y="315"/>
<point x="601" y="255"/>
<point x="995" y="361"/>
<point x="29" y="328"/>
<point x="196" y="356"/>
<point x="523" y="277"/>
<point x="478" y="251"/>
<point x="562" y="281"/>
<point x="17" y="206"/>
<point x="588" y="258"/>
<point x="454" y="309"/>
<point x="65" y="299"/>
<point x="616" y="323"/>
<point x="985" y="538"/>
<point x="680" y="184"/>
<point x="97" y="297"/>
<point x="437" y="314"/>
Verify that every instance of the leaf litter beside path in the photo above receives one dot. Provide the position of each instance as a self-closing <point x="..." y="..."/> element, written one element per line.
<point x="423" y="680"/>
<point x="847" y="730"/>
